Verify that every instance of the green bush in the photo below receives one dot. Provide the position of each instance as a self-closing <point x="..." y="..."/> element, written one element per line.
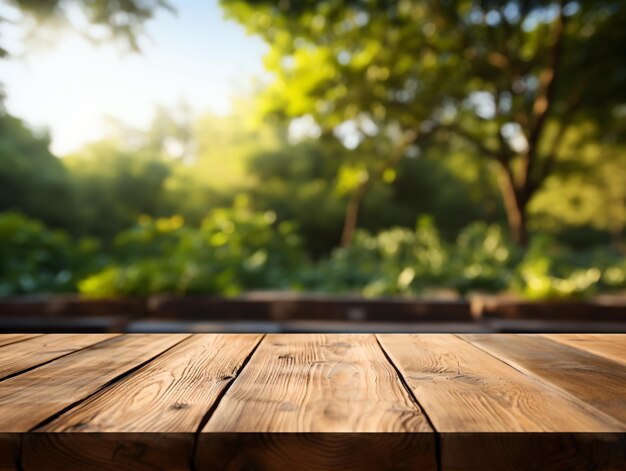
<point x="550" y="270"/>
<point x="233" y="250"/>
<point x="482" y="259"/>
<point x="237" y="249"/>
<point x="396" y="261"/>
<point x="35" y="259"/>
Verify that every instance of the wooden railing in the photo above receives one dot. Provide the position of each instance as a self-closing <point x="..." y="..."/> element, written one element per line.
<point x="308" y="312"/>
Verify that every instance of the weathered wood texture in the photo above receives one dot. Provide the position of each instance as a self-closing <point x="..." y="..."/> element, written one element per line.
<point x="170" y="395"/>
<point x="318" y="402"/>
<point x="599" y="383"/>
<point x="6" y="339"/>
<point x="28" y="399"/>
<point x="611" y="346"/>
<point x="325" y="384"/>
<point x="464" y="389"/>
<point x="484" y="409"/>
<point x="26" y="354"/>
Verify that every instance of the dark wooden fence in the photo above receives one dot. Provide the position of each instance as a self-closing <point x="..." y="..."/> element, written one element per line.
<point x="301" y="312"/>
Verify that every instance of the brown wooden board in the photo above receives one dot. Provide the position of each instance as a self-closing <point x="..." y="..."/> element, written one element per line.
<point x="558" y="310"/>
<point x="313" y="402"/>
<point x="42" y="349"/>
<point x="160" y="406"/>
<point x="476" y="402"/>
<point x="611" y="346"/>
<point x="7" y="339"/>
<point x="599" y="383"/>
<point x="30" y="398"/>
<point x="324" y="396"/>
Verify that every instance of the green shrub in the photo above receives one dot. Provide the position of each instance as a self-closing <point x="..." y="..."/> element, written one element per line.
<point x="237" y="249"/>
<point x="550" y="270"/>
<point x="233" y="250"/>
<point x="35" y="259"/>
<point x="483" y="259"/>
<point x="396" y="261"/>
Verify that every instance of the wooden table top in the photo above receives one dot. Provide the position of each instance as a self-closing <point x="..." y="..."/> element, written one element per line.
<point x="312" y="401"/>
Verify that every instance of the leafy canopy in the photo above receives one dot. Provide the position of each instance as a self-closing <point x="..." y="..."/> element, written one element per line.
<point x="105" y="19"/>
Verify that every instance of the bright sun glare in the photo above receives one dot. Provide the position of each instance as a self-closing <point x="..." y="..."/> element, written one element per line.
<point x="74" y="87"/>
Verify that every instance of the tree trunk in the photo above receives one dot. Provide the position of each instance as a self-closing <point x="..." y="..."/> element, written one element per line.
<point x="352" y="214"/>
<point x="355" y="203"/>
<point x="514" y="205"/>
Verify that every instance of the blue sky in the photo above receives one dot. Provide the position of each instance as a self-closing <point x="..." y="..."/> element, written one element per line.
<point x="72" y="86"/>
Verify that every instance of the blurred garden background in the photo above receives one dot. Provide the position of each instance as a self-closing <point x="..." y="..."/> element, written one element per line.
<point x="371" y="147"/>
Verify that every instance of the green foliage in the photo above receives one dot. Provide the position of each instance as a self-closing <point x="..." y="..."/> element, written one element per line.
<point x="401" y="261"/>
<point x="483" y="259"/>
<point x="119" y="19"/>
<point x="115" y="185"/>
<point x="404" y="262"/>
<point x="550" y="270"/>
<point x="237" y="249"/>
<point x="406" y="61"/>
<point x="233" y="250"/>
<point x="397" y="261"/>
<point x="501" y="80"/>
<point x="35" y="259"/>
<point x="300" y="182"/>
<point x="32" y="180"/>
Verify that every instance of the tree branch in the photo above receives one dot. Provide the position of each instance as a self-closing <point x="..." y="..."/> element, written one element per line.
<point x="548" y="80"/>
<point x="544" y="100"/>
<point x="550" y="159"/>
<point x="469" y="137"/>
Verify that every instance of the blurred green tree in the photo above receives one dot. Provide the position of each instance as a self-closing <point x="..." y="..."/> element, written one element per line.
<point x="117" y="185"/>
<point x="506" y="79"/>
<point x="300" y="182"/>
<point x="32" y="180"/>
<point x="588" y="192"/>
<point x="106" y="19"/>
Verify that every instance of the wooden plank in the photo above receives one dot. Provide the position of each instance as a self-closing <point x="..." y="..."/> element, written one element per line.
<point x="157" y="409"/>
<point x="484" y="409"/>
<point x="28" y="399"/>
<point x="611" y="346"/>
<point x="463" y="388"/>
<point x="36" y="351"/>
<point x="329" y="398"/>
<point x="597" y="381"/>
<point x="170" y="394"/>
<point x="7" y="339"/>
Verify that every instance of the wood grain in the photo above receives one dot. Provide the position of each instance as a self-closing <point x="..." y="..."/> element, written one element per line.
<point x="316" y="451"/>
<point x="104" y="451"/>
<point x="29" y="353"/>
<point x="464" y="389"/>
<point x="313" y="402"/>
<point x="308" y="388"/>
<point x="28" y="399"/>
<point x="170" y="394"/>
<point x="594" y="380"/>
<point x="533" y="451"/>
<point x="479" y="405"/>
<point x="6" y="339"/>
<point x="157" y="409"/>
<point x="611" y="346"/>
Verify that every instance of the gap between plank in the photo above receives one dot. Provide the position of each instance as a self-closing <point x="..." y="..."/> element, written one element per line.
<point x="21" y="340"/>
<point x="106" y="385"/>
<point x="406" y="386"/>
<point x="30" y="368"/>
<point x="547" y="383"/>
<point x="209" y="413"/>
